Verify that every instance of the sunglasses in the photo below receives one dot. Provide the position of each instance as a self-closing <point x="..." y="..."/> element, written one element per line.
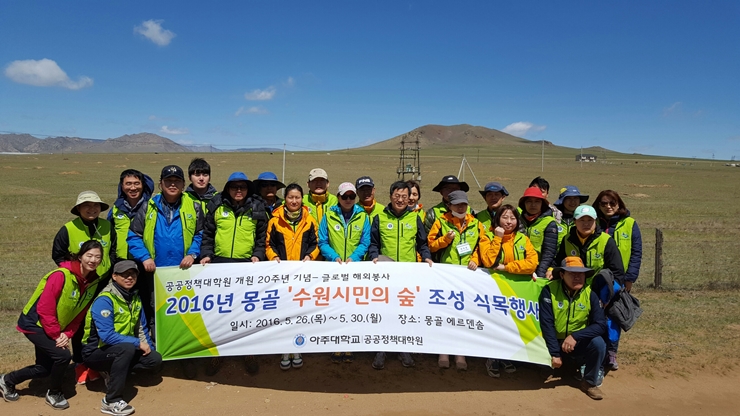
<point x="238" y="187"/>
<point x="608" y="204"/>
<point x="348" y="196"/>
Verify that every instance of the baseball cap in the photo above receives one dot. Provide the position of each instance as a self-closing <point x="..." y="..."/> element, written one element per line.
<point x="317" y="173"/>
<point x="572" y="264"/>
<point x="345" y="187"/>
<point x="172" y="170"/>
<point x="88" y="196"/>
<point x="584" y="210"/>
<point x="457" y="197"/>
<point x="364" y="181"/>
<point x="125" y="265"/>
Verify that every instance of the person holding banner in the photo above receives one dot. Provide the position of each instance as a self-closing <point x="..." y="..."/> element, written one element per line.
<point x="540" y="227"/>
<point x="573" y="322"/>
<point x="51" y="317"/>
<point x="234" y="232"/>
<point x="292" y="234"/>
<point x="344" y="236"/>
<point x="511" y="252"/>
<point x="459" y="238"/>
<point x="117" y="337"/>
<point x="398" y="234"/>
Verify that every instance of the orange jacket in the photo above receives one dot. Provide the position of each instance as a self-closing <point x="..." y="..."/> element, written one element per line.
<point x="439" y="242"/>
<point x="527" y="266"/>
<point x="291" y="242"/>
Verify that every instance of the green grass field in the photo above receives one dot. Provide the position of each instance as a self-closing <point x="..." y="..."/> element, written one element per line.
<point x="695" y="203"/>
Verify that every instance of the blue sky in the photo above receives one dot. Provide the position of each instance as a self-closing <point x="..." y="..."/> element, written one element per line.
<point x="646" y="76"/>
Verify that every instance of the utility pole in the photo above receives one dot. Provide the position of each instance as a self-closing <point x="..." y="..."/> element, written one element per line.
<point x="409" y="162"/>
<point x="283" y="190"/>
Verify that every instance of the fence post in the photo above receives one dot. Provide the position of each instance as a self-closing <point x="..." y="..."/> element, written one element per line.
<point x="658" y="258"/>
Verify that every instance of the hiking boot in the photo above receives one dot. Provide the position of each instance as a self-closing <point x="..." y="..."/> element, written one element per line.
<point x="8" y="390"/>
<point x="285" y="362"/>
<point x="189" y="369"/>
<point x="492" y="368"/>
<point x="509" y="367"/>
<point x="379" y="361"/>
<point x="336" y="357"/>
<point x="119" y="408"/>
<point x="251" y="365"/>
<point x="406" y="359"/>
<point x="81" y="372"/>
<point x="297" y="361"/>
<point x="591" y="391"/>
<point x="214" y="365"/>
<point x="56" y="400"/>
<point x="348" y="357"/>
<point x="613" y="361"/>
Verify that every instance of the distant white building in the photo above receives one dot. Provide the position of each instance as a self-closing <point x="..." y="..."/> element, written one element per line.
<point x="585" y="157"/>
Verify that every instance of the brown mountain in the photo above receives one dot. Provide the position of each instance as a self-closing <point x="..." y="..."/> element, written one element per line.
<point x="433" y="135"/>
<point x="133" y="143"/>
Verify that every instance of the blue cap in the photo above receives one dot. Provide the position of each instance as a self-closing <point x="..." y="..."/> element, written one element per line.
<point x="238" y="176"/>
<point x="570" y="190"/>
<point x="267" y="177"/>
<point x="584" y="211"/>
<point x="494" y="187"/>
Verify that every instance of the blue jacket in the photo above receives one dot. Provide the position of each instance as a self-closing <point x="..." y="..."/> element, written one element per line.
<point x="633" y="267"/>
<point x="168" y="244"/>
<point x="105" y="329"/>
<point x="328" y="252"/>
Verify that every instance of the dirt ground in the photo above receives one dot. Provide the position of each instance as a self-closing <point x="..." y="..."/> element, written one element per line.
<point x="323" y="388"/>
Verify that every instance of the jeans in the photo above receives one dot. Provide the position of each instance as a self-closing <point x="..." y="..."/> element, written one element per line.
<point x="593" y="352"/>
<point x="51" y="361"/>
<point x="118" y="360"/>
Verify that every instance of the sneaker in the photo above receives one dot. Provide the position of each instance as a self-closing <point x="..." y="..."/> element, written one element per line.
<point x="492" y="368"/>
<point x="81" y="372"/>
<point x="593" y="392"/>
<point x="508" y="366"/>
<point x="285" y="362"/>
<point x="579" y="374"/>
<point x="119" y="408"/>
<point x="613" y="361"/>
<point x="379" y="361"/>
<point x="406" y="359"/>
<point x="600" y="377"/>
<point x="56" y="400"/>
<point x="189" y="369"/>
<point x="251" y="365"/>
<point x="297" y="361"/>
<point x="348" y="357"/>
<point x="8" y="390"/>
<point x="336" y="357"/>
<point x="214" y="365"/>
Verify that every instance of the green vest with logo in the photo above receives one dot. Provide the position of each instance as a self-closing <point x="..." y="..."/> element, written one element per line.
<point x="398" y="235"/>
<point x="486" y="219"/>
<point x="564" y="228"/>
<point x="469" y="235"/>
<point x="571" y="314"/>
<point x="345" y="239"/>
<point x="70" y="302"/>
<point x="331" y="200"/>
<point x="377" y="209"/>
<point x="79" y="233"/>
<point x="536" y="232"/>
<point x="188" y="221"/>
<point x="235" y="236"/>
<point x="593" y="257"/>
<point x="520" y="249"/>
<point x="125" y="316"/>
<point x="623" y="238"/>
<point x="121" y="224"/>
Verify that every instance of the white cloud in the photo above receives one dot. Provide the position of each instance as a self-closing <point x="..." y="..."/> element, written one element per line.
<point x="261" y="95"/>
<point x="673" y="108"/>
<point x="250" y="110"/>
<point x="289" y="82"/>
<point x="152" y="30"/>
<point x="174" y="130"/>
<point x="44" y="73"/>
<point x="522" y="128"/>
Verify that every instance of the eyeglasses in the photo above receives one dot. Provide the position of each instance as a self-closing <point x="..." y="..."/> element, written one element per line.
<point x="400" y="197"/>
<point x="348" y="196"/>
<point x="608" y="204"/>
<point x="238" y="187"/>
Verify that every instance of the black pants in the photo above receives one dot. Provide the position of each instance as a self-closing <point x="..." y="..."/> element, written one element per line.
<point x="51" y="361"/>
<point x="145" y="285"/>
<point x="119" y="360"/>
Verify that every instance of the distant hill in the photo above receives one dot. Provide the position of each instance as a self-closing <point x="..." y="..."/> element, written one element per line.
<point x="433" y="135"/>
<point x="130" y="143"/>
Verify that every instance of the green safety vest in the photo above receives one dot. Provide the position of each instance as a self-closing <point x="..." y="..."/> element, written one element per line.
<point x="202" y="202"/>
<point x="470" y="235"/>
<point x="623" y="238"/>
<point x="125" y="317"/>
<point x="235" y="236"/>
<point x="571" y="314"/>
<point x="398" y="235"/>
<point x="487" y="220"/>
<point x="344" y="239"/>
<point x="520" y="249"/>
<point x="593" y="257"/>
<point x="564" y="228"/>
<point x="79" y="233"/>
<point x="331" y="200"/>
<point x="121" y="225"/>
<point x="536" y="232"/>
<point x="188" y="220"/>
<point x="70" y="303"/>
<point x="377" y="209"/>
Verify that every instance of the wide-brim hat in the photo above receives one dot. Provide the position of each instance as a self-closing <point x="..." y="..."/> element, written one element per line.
<point x="572" y="264"/>
<point x="494" y="187"/>
<point x="570" y="190"/>
<point x="88" y="196"/>
<point x="452" y="180"/>
<point x="533" y="192"/>
<point x="237" y="177"/>
<point x="266" y="178"/>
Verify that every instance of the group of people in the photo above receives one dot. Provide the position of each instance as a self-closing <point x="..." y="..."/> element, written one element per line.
<point x="100" y="299"/>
